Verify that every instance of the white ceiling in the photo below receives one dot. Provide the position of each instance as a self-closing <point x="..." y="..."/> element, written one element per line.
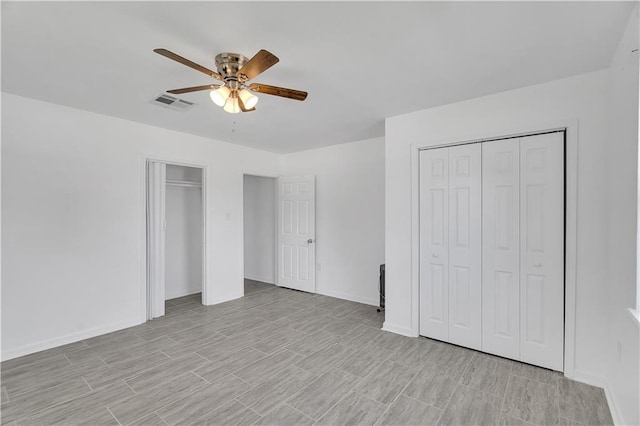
<point x="359" y="61"/>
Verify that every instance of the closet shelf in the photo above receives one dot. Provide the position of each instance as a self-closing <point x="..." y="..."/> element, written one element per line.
<point x="184" y="183"/>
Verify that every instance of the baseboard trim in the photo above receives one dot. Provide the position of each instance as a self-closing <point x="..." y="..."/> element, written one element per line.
<point x="66" y="339"/>
<point x="261" y="279"/>
<point x="352" y="298"/>
<point x="404" y="331"/>
<point x="601" y="382"/>
<point x="224" y="298"/>
<point x="194" y="291"/>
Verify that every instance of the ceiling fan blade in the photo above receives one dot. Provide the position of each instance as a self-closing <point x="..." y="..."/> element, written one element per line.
<point x="298" y="95"/>
<point x="193" y="89"/>
<point x="261" y="61"/>
<point x="184" y="61"/>
<point x="242" y="107"/>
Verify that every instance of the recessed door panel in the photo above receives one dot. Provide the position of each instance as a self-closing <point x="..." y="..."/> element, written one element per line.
<point x="542" y="250"/>
<point x="460" y="283"/>
<point x="302" y="211"/>
<point x="465" y="245"/>
<point x="501" y="248"/>
<point x="434" y="235"/>
<point x="437" y="220"/>
<point x="287" y="217"/>
<point x="303" y="262"/>
<point x="533" y="315"/>
<point x="287" y="260"/>
<point x="438" y="288"/>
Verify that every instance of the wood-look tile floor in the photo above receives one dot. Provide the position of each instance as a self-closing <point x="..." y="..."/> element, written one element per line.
<point x="281" y="357"/>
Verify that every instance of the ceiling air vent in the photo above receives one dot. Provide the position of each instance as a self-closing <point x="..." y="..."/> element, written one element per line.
<point x="171" y="102"/>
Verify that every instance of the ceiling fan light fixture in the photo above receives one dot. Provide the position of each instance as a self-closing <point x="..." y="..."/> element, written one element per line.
<point x="232" y="106"/>
<point x="220" y="95"/>
<point x="248" y="99"/>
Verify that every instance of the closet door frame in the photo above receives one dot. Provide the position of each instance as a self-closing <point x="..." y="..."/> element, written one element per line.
<point x="570" y="128"/>
<point x="206" y="173"/>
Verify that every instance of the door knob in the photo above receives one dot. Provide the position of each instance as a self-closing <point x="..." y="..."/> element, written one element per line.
<point x="309" y="241"/>
<point x="435" y="255"/>
<point x="537" y="264"/>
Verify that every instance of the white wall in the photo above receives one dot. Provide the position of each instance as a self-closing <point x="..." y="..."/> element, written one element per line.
<point x="349" y="216"/>
<point x="260" y="228"/>
<point x="183" y="239"/>
<point x="623" y="372"/>
<point x="73" y="219"/>
<point x="582" y="98"/>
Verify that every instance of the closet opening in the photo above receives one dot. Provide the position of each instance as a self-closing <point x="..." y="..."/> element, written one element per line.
<point x="259" y="230"/>
<point x="175" y="237"/>
<point x="492" y="246"/>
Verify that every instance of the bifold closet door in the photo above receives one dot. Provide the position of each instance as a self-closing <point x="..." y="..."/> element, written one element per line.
<point x="501" y="248"/>
<point x="465" y="245"/>
<point x="542" y="250"/>
<point x="450" y="244"/>
<point x="434" y="243"/>
<point x="523" y="249"/>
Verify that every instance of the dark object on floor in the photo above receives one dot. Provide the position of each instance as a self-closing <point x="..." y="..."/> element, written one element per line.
<point x="381" y="288"/>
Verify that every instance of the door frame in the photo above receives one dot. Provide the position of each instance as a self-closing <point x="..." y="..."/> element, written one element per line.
<point x="570" y="127"/>
<point x="206" y="168"/>
<point x="275" y="224"/>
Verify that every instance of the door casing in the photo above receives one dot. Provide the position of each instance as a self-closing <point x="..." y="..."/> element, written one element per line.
<point x="205" y="167"/>
<point x="570" y="127"/>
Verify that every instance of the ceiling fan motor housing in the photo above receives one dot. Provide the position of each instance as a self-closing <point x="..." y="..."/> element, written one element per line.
<point x="228" y="64"/>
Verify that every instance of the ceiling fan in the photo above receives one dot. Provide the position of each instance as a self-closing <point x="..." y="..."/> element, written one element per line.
<point x="235" y="71"/>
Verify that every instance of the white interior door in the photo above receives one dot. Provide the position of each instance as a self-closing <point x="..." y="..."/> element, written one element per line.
<point x="542" y="250"/>
<point x="296" y="232"/>
<point x="156" y="228"/>
<point x="434" y="243"/>
<point x="501" y="248"/>
<point x="465" y="246"/>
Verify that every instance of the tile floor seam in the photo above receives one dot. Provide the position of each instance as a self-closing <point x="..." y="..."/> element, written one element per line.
<point x="85" y="380"/>
<point x="421" y="402"/>
<point x="522" y="420"/>
<point x="196" y="353"/>
<point x="161" y="418"/>
<point x="113" y="415"/>
<point x="294" y="408"/>
<point x="384" y="413"/>
<point x="454" y="391"/>
<point x="192" y="371"/>
<point x="352" y="389"/>
<point x="405" y="386"/>
<point x="67" y="358"/>
<point x="168" y="356"/>
<point x="529" y="378"/>
<point x="187" y="394"/>
<point x="504" y="398"/>
<point x="240" y="378"/>
<point x="129" y="386"/>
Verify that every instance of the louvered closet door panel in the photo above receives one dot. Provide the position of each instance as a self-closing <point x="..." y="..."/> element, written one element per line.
<point x="434" y="218"/>
<point x="465" y="245"/>
<point x="501" y="248"/>
<point x="542" y="250"/>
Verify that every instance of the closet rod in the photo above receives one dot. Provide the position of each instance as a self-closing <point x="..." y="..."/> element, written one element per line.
<point x="184" y="183"/>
